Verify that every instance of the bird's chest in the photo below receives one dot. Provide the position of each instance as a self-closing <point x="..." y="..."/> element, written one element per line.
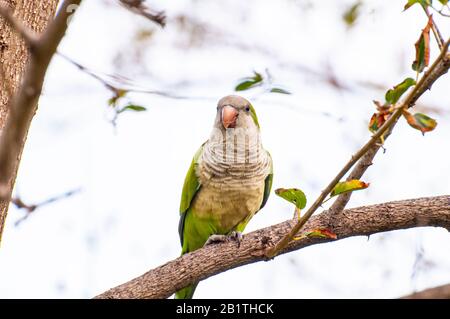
<point x="228" y="204"/>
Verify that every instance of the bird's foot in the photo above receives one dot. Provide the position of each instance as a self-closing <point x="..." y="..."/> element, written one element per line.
<point x="237" y="236"/>
<point x="216" y="238"/>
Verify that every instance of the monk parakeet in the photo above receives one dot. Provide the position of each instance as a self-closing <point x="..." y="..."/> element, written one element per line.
<point x="228" y="181"/>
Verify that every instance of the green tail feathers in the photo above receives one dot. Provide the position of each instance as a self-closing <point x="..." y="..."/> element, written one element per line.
<point x="186" y="293"/>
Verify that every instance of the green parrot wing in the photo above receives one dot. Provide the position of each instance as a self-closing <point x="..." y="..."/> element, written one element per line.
<point x="190" y="187"/>
<point x="267" y="183"/>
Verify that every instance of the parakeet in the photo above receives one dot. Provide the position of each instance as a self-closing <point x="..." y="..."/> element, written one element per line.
<point x="228" y="181"/>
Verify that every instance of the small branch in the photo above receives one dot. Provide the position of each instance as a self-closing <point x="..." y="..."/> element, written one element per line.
<point x="439" y="67"/>
<point x="27" y="34"/>
<point x="124" y="83"/>
<point x="164" y="280"/>
<point x="360" y="168"/>
<point x="440" y="11"/>
<point x="440" y="292"/>
<point x="138" y="7"/>
<point x="434" y="27"/>
<point x="89" y="72"/>
<point x="18" y="202"/>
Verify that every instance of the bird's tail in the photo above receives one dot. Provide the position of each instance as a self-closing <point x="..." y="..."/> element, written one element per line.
<point x="186" y="292"/>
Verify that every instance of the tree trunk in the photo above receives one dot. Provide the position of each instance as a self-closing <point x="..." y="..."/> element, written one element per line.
<point x="13" y="60"/>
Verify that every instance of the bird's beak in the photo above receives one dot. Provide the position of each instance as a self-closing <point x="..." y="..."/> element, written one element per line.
<point x="229" y="116"/>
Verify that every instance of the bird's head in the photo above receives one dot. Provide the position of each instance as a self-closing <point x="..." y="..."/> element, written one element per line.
<point x="234" y="111"/>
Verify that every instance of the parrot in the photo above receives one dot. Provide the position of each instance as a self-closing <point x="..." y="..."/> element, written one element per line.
<point x="228" y="182"/>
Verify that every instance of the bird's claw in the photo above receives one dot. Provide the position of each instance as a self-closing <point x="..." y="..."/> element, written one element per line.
<point x="216" y="238"/>
<point x="237" y="236"/>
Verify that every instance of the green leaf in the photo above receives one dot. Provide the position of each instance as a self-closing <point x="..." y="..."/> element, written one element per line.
<point x="423" y="48"/>
<point x="420" y="121"/>
<point x="292" y="195"/>
<point x="279" y="90"/>
<point x="444" y="2"/>
<point x="318" y="233"/>
<point x="249" y="82"/>
<point x="352" y="14"/>
<point x="245" y="85"/>
<point x="424" y="3"/>
<point x="393" y="95"/>
<point x="348" y="186"/>
<point x="118" y="94"/>
<point x="132" y="107"/>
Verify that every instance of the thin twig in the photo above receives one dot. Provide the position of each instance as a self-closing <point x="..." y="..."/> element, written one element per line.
<point x="126" y="84"/>
<point x="138" y="7"/>
<point x="30" y="208"/>
<point x="421" y="86"/>
<point x="440" y="11"/>
<point x="26" y="33"/>
<point x="434" y="27"/>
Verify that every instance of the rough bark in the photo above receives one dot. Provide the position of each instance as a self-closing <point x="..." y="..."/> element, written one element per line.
<point x="14" y="57"/>
<point x="441" y="292"/>
<point x="164" y="280"/>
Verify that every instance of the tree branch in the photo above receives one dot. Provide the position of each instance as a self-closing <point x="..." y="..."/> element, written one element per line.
<point x="138" y="7"/>
<point x="440" y="292"/>
<point x="30" y="208"/>
<point x="440" y="68"/>
<point x="116" y="83"/>
<point x="164" y="280"/>
<point x="437" y="69"/>
<point x="24" y="104"/>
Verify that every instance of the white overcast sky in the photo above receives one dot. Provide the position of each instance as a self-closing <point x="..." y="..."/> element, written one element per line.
<point x="124" y="222"/>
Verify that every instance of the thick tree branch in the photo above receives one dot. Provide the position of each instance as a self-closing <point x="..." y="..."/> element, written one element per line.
<point x="24" y="104"/>
<point x="162" y="281"/>
<point x="441" y="292"/>
<point x="28" y="35"/>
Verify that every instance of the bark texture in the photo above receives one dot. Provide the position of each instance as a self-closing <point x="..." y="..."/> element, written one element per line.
<point x="164" y="280"/>
<point x="441" y="292"/>
<point x="14" y="57"/>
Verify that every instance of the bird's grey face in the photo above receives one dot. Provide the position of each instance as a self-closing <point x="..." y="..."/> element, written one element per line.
<point x="235" y="136"/>
<point x="234" y="112"/>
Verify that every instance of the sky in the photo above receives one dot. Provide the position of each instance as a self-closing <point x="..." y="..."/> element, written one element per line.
<point x="124" y="220"/>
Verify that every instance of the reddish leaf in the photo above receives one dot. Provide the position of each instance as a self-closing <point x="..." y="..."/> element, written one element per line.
<point x="348" y="186"/>
<point x="378" y="119"/>
<point x="423" y="48"/>
<point x="317" y="233"/>
<point x="420" y="121"/>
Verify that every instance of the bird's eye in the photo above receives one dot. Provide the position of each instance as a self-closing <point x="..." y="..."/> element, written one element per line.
<point x="247" y="109"/>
